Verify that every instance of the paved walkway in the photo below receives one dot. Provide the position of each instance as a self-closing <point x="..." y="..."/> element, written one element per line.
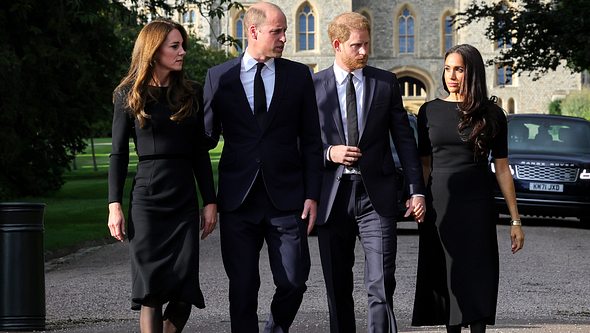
<point x="88" y="292"/>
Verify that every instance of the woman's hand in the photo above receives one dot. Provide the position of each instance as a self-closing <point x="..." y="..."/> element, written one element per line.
<point x="416" y="206"/>
<point x="517" y="238"/>
<point x="116" y="221"/>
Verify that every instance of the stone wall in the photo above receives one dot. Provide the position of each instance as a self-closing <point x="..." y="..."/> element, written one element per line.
<point x="426" y="62"/>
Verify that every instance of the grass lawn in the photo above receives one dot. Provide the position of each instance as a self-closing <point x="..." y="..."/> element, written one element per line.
<point x="76" y="215"/>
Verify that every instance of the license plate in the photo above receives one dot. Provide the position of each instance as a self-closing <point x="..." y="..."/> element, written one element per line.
<point x="546" y="187"/>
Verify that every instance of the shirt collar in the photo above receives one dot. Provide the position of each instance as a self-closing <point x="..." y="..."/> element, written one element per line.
<point x="341" y="74"/>
<point x="248" y="62"/>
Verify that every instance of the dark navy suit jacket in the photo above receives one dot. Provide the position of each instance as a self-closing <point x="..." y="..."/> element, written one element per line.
<point x="287" y="150"/>
<point x="383" y="115"/>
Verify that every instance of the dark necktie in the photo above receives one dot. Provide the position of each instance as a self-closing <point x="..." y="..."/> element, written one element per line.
<point x="259" y="95"/>
<point x="351" y="116"/>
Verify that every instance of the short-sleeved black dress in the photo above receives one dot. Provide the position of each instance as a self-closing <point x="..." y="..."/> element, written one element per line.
<point x="163" y="222"/>
<point x="457" y="279"/>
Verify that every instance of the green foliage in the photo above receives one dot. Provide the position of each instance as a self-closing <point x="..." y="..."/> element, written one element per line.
<point x="555" y="107"/>
<point x="577" y="104"/>
<point x="542" y="33"/>
<point x="211" y="10"/>
<point x="60" y="64"/>
<point x="77" y="213"/>
<point x="200" y="58"/>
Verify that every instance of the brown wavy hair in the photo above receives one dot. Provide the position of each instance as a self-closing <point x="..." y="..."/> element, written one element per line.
<point x="180" y="93"/>
<point x="477" y="124"/>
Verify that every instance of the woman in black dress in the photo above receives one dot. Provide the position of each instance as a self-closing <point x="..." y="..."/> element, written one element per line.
<point x="162" y="111"/>
<point x="457" y="281"/>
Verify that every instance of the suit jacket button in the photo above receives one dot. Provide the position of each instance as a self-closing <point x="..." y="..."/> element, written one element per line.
<point x="338" y="178"/>
<point x="258" y="160"/>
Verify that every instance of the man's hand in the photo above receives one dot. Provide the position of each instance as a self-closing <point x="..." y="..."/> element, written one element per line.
<point x="346" y="155"/>
<point x="208" y="219"/>
<point x="310" y="209"/>
<point x="417" y="206"/>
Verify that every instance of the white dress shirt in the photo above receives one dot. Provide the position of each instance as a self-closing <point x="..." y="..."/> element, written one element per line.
<point x="341" y="83"/>
<point x="247" y="72"/>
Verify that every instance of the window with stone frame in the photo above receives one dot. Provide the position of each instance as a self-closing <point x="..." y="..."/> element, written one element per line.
<point x="406" y="34"/>
<point x="503" y="70"/>
<point x="305" y="28"/>
<point x="240" y="32"/>
<point x="504" y="75"/>
<point x="448" y="32"/>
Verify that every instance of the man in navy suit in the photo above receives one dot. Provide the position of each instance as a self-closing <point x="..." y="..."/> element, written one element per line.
<point x="270" y="168"/>
<point x="360" y="107"/>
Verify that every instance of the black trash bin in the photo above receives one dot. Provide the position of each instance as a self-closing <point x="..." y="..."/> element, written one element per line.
<point x="22" y="267"/>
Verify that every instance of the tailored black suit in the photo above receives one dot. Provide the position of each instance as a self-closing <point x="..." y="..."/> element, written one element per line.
<point x="365" y="205"/>
<point x="265" y="174"/>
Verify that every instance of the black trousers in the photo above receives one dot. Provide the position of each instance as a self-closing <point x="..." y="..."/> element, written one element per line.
<point x="353" y="216"/>
<point x="243" y="232"/>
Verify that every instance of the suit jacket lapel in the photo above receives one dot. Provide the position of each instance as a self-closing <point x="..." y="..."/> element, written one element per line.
<point x="369" y="88"/>
<point x="235" y="83"/>
<point x="332" y="97"/>
<point x="279" y="90"/>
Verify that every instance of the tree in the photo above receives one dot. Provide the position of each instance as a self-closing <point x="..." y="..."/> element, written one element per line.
<point x="199" y="58"/>
<point x="542" y="33"/>
<point x="60" y="63"/>
<point x="555" y="107"/>
<point x="211" y="10"/>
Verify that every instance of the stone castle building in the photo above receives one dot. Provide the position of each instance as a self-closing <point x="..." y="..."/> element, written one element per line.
<point x="409" y="38"/>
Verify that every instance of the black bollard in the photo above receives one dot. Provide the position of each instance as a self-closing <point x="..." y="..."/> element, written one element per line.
<point x="22" y="267"/>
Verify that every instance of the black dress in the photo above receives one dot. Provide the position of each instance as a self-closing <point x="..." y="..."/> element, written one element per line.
<point x="163" y="223"/>
<point x="457" y="279"/>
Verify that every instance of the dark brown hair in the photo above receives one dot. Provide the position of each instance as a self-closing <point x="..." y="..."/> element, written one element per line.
<point x="135" y="84"/>
<point x="477" y="124"/>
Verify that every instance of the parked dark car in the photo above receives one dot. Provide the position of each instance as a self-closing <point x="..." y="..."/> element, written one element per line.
<point x="549" y="159"/>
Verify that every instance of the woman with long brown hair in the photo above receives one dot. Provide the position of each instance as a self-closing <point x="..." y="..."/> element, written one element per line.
<point x="458" y="266"/>
<point x="163" y="112"/>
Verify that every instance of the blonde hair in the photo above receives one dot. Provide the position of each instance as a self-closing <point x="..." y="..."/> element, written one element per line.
<point x="343" y="24"/>
<point x="141" y="70"/>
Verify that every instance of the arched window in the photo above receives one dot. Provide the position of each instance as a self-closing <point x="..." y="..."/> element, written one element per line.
<point x="240" y="33"/>
<point x="503" y="42"/>
<point x="499" y="102"/>
<point x="504" y="75"/>
<point x="412" y="87"/>
<point x="406" y="32"/>
<point x="413" y="92"/>
<point x="193" y="17"/>
<point x="305" y="28"/>
<point x="185" y="17"/>
<point x="448" y="35"/>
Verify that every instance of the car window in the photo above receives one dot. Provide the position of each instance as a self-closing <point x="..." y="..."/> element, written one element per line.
<point x="548" y="135"/>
